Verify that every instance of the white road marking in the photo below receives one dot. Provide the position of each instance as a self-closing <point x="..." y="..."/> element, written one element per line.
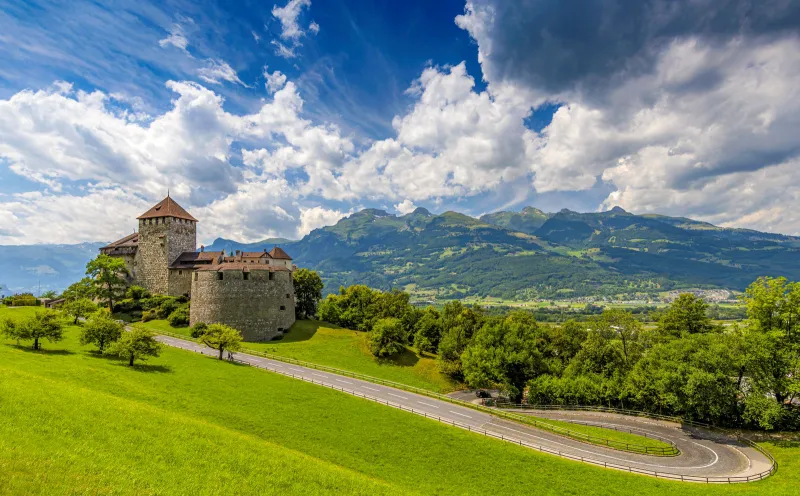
<point x="320" y="375"/>
<point x="297" y="370"/>
<point x="346" y="382"/>
<point x="397" y="396"/>
<point x="427" y="404"/>
<point x="276" y="365"/>
<point x="371" y="389"/>
<point x="451" y="411"/>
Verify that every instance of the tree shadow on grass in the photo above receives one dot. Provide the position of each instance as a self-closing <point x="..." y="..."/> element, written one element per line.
<point x="123" y="362"/>
<point x="41" y="351"/>
<point x="405" y="358"/>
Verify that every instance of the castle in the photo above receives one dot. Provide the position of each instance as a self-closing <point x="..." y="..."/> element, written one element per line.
<point x="249" y="291"/>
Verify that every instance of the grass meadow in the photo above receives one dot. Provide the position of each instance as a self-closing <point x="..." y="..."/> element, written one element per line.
<point x="74" y="422"/>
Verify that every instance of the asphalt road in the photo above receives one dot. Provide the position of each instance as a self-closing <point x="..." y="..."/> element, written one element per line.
<point x="703" y="453"/>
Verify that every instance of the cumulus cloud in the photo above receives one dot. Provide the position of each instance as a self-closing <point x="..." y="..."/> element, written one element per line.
<point x="288" y="16"/>
<point x="291" y="30"/>
<point x="316" y="217"/>
<point x="275" y="80"/>
<point x="674" y="104"/>
<point x="405" y="207"/>
<point x="216" y="71"/>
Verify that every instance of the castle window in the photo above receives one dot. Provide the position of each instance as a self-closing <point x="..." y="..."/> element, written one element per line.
<point x="287" y="295"/>
<point x="195" y="276"/>
<point x="271" y="276"/>
<point x="283" y="307"/>
<point x="246" y="275"/>
<point x="180" y="272"/>
<point x="219" y="276"/>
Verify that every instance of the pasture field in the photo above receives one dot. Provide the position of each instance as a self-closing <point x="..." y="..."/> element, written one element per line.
<point x="75" y="422"/>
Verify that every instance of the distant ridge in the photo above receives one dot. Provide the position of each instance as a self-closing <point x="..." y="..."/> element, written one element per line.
<point x="524" y="255"/>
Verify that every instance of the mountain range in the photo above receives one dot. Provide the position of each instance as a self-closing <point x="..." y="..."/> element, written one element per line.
<point x="511" y="255"/>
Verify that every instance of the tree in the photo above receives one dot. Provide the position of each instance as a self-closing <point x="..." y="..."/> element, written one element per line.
<point x="773" y="337"/>
<point x="307" y="292"/>
<point x="137" y="293"/>
<point x="49" y="294"/>
<point x="136" y="344"/>
<point x="687" y="313"/>
<point x="84" y="288"/>
<point x="428" y="331"/>
<point x="41" y="325"/>
<point x="459" y="324"/>
<point x="80" y="308"/>
<point x="100" y="330"/>
<point x="221" y="337"/>
<point x="179" y="317"/>
<point x="623" y="329"/>
<point x="386" y="337"/>
<point x="505" y="352"/>
<point x="108" y="274"/>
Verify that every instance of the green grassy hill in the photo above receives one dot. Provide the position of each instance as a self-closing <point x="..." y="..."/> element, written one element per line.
<point x="77" y="423"/>
<point x="326" y="344"/>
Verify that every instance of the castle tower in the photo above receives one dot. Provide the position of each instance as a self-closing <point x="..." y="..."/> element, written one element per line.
<point x="165" y="231"/>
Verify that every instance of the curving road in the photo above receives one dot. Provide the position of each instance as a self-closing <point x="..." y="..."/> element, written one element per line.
<point x="703" y="454"/>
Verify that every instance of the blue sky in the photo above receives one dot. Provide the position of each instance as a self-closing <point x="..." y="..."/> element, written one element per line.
<point x="270" y="119"/>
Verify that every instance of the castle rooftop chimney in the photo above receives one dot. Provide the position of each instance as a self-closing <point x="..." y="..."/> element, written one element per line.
<point x="202" y="248"/>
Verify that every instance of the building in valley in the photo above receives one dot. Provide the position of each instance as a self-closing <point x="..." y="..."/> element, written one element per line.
<point x="250" y="291"/>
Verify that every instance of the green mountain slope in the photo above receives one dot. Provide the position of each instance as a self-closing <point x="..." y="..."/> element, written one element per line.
<point x="569" y="254"/>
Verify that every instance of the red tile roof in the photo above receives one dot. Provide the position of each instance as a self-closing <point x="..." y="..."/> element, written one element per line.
<point x="167" y="208"/>
<point x="279" y="254"/>
<point x="192" y="259"/>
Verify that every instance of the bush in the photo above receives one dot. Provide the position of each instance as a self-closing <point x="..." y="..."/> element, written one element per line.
<point x="179" y="317"/>
<point x="198" y="329"/>
<point x="137" y="293"/>
<point x="167" y="308"/>
<point x="149" y="315"/>
<point x="155" y="301"/>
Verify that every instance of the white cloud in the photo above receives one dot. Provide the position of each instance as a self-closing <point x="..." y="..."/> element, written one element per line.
<point x="176" y="38"/>
<point x="288" y="15"/>
<point x="313" y="27"/>
<point x="316" y="217"/>
<point x="405" y="207"/>
<point x="216" y="71"/>
<point x="275" y="81"/>
<point x="255" y="36"/>
<point x="284" y="51"/>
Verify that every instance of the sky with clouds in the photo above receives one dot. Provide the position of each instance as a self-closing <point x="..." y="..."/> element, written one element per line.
<point x="272" y="120"/>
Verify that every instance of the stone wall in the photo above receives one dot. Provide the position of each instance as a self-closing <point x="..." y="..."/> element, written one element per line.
<point x="161" y="241"/>
<point x="252" y="305"/>
<point x="180" y="282"/>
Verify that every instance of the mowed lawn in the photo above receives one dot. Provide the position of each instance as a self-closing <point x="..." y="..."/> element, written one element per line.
<point x="325" y="344"/>
<point x="77" y="423"/>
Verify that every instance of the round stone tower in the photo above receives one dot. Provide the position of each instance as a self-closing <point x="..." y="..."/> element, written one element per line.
<point x="257" y="300"/>
<point x="165" y="231"/>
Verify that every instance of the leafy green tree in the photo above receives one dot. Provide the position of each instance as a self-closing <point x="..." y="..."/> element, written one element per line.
<point x="621" y="328"/>
<point x="504" y="352"/>
<point x="136" y="344"/>
<point x="198" y="329"/>
<point x="83" y="289"/>
<point x="687" y="313"/>
<point x="221" y="337"/>
<point x="80" y="308"/>
<point x="773" y="337"/>
<point x="387" y="337"/>
<point x="100" y="330"/>
<point x="108" y="274"/>
<point x="459" y="324"/>
<point x="428" y="331"/>
<point x="44" y="324"/>
<point x="566" y="339"/>
<point x="307" y="292"/>
<point x="49" y="294"/>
